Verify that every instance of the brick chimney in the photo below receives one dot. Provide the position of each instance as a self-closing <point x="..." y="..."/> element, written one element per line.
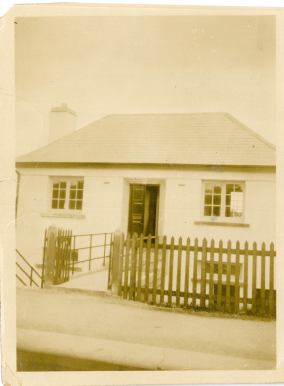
<point x="62" y="121"/>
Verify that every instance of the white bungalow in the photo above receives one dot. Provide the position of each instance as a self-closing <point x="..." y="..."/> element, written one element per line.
<point x="190" y="175"/>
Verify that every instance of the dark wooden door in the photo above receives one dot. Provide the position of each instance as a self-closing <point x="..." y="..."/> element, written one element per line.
<point x="136" y="209"/>
<point x="143" y="209"/>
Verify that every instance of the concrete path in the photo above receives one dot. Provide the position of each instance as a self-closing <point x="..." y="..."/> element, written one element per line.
<point x="109" y="329"/>
<point x="90" y="280"/>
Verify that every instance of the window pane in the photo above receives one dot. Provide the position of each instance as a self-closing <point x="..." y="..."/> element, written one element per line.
<point x="62" y="193"/>
<point x="217" y="200"/>
<point x="229" y="188"/>
<point x="72" y="194"/>
<point x="55" y="193"/>
<point x="207" y="211"/>
<point x="217" y="188"/>
<point x="208" y="199"/>
<point x="55" y="185"/>
<point x="73" y="185"/>
<point x="216" y="210"/>
<point x="228" y="212"/>
<point x="62" y="185"/>
<point x="80" y="194"/>
<point x="79" y="205"/>
<point x="54" y="204"/>
<point x="238" y="188"/>
<point x="71" y="204"/>
<point x="233" y="270"/>
<point x="237" y="204"/>
<point x="228" y="200"/>
<point x="209" y="188"/>
<point x="80" y="184"/>
<point x="61" y="204"/>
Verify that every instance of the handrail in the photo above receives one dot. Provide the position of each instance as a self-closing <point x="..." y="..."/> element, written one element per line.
<point x="28" y="264"/>
<point x="30" y="277"/>
<point x="23" y="270"/>
<point x="92" y="234"/>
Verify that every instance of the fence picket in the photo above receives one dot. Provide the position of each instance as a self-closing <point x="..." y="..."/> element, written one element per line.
<point x="171" y="271"/>
<point x="140" y="265"/>
<point x="133" y="266"/>
<point x="262" y="290"/>
<point x="163" y="273"/>
<point x="211" y="278"/>
<point x="203" y="273"/>
<point x="121" y="260"/>
<point x="195" y="273"/>
<point x="155" y="276"/>
<point x="245" y="288"/>
<point x="254" y="273"/>
<point x="186" y="280"/>
<point x="69" y="253"/>
<point x="237" y="278"/>
<point x="220" y="267"/>
<point x="178" y="272"/>
<point x="73" y="256"/>
<point x="57" y="256"/>
<point x="126" y="267"/>
<point x="43" y="258"/>
<point x="228" y="283"/>
<point x="271" y="280"/>
<point x="148" y="257"/>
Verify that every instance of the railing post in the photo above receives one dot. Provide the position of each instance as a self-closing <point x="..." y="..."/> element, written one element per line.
<point x="43" y="259"/>
<point x="115" y="262"/>
<point x="104" y="262"/>
<point x="90" y="257"/>
<point x="73" y="256"/>
<point x="31" y="278"/>
<point x="50" y="256"/>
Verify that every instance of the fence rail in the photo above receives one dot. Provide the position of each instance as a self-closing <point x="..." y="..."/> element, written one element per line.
<point x="197" y="274"/>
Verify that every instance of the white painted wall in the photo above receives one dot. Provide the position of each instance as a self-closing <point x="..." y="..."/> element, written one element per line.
<point x="105" y="204"/>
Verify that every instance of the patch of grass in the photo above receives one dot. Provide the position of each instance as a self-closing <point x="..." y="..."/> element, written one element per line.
<point x="213" y="312"/>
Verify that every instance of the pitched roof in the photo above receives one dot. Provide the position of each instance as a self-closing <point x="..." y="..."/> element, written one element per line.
<point x="191" y="139"/>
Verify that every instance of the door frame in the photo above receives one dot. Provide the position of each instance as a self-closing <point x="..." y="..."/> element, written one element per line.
<point x="161" y="201"/>
<point x="157" y="204"/>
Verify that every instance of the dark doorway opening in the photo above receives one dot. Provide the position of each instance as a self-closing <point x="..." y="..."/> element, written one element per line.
<point x="143" y="209"/>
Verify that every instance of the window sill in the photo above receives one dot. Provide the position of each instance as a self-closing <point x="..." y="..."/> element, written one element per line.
<point x="61" y="215"/>
<point x="222" y="224"/>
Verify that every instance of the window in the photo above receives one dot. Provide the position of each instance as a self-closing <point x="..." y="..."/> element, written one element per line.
<point x="67" y="193"/>
<point x="224" y="268"/>
<point x="223" y="201"/>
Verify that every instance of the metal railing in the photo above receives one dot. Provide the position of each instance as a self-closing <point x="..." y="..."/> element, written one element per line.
<point x="107" y="243"/>
<point x="31" y="276"/>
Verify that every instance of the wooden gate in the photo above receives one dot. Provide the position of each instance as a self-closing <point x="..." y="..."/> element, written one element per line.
<point x="63" y="256"/>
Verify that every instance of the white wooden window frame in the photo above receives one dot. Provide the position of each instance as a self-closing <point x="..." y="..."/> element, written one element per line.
<point x="66" y="210"/>
<point x="222" y="218"/>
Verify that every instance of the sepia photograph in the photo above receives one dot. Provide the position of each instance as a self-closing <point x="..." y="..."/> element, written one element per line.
<point x="145" y="194"/>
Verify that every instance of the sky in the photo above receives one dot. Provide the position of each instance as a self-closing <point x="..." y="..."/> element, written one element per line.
<point x="103" y="65"/>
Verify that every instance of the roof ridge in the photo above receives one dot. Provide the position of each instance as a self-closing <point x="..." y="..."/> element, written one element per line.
<point x="233" y="119"/>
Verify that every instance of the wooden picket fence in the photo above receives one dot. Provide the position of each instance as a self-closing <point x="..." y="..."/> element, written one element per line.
<point x="193" y="275"/>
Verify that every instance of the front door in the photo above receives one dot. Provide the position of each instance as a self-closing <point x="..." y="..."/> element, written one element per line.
<point x="143" y="208"/>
